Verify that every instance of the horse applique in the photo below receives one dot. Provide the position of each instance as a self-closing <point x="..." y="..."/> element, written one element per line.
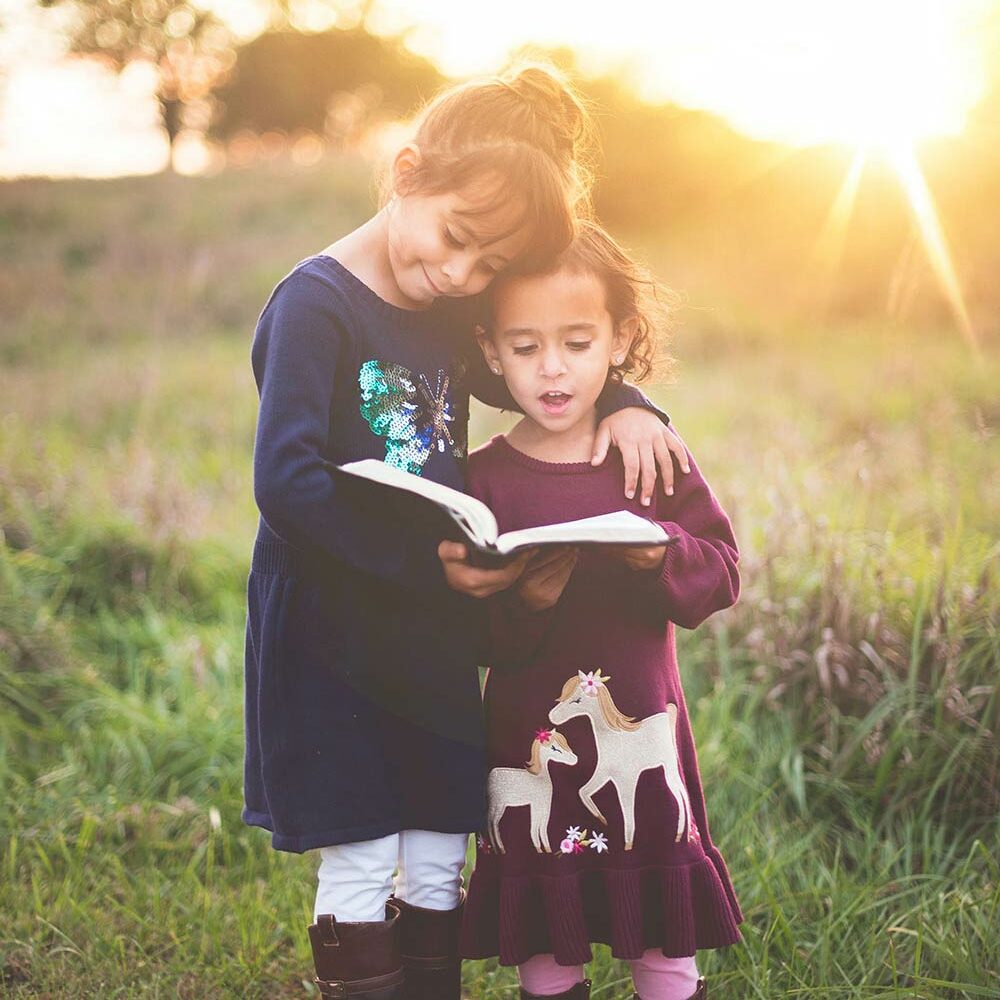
<point x="530" y="786"/>
<point x="625" y="748"/>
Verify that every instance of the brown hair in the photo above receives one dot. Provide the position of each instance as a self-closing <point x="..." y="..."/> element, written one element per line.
<point x="535" y="764"/>
<point x="529" y="132"/>
<point x="631" y="292"/>
<point x="613" y="715"/>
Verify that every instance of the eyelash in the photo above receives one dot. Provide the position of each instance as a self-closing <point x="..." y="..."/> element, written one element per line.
<point x="452" y="240"/>
<point x="573" y="345"/>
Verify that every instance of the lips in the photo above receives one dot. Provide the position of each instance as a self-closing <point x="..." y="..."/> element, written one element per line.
<point x="554" y="402"/>
<point x="430" y="284"/>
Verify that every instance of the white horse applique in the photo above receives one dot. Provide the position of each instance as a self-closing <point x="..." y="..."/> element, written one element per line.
<point x="531" y="786"/>
<point x="625" y="748"/>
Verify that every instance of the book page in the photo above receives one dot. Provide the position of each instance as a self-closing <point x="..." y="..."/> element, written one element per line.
<point x="475" y="518"/>
<point x="620" y="528"/>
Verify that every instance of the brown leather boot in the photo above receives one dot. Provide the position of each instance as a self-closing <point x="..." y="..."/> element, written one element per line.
<point x="579" y="992"/>
<point x="428" y="946"/>
<point x="699" y="994"/>
<point x="358" y="959"/>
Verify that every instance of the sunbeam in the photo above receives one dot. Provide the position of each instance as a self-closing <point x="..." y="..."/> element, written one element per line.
<point x="904" y="161"/>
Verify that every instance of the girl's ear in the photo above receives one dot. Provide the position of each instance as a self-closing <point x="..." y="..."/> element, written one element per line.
<point x="622" y="339"/>
<point x="489" y="350"/>
<point x="404" y="164"/>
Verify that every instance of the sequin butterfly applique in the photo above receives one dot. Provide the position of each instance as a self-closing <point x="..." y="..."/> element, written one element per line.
<point x="415" y="416"/>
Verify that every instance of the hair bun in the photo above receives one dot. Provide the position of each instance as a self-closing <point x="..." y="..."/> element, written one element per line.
<point x="555" y="103"/>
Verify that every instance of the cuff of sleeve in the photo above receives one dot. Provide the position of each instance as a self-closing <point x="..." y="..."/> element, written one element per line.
<point x="664" y="573"/>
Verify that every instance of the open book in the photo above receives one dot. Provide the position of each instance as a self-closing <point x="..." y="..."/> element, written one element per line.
<point x="478" y="527"/>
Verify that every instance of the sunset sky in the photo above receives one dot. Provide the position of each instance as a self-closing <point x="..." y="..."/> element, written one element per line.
<point x="884" y="72"/>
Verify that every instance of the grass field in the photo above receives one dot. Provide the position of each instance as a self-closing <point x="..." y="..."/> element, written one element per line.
<point x="846" y="710"/>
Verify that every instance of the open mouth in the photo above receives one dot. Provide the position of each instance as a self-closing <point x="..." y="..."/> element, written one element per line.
<point x="555" y="402"/>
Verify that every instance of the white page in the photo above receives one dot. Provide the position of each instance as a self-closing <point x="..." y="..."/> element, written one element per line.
<point x="477" y="517"/>
<point x="621" y="527"/>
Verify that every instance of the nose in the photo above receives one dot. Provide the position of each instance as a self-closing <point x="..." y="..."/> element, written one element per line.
<point x="457" y="270"/>
<point x="553" y="363"/>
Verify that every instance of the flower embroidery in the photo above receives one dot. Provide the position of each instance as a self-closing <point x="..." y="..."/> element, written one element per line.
<point x="410" y="413"/>
<point x="543" y="735"/>
<point x="593" y="682"/>
<point x="576" y="841"/>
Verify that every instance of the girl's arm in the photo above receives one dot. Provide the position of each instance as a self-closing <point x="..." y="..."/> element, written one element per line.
<point x="698" y="574"/>
<point x="299" y="343"/>
<point x="629" y="420"/>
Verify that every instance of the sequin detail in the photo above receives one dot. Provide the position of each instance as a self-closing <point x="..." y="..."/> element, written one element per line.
<point x="414" y="415"/>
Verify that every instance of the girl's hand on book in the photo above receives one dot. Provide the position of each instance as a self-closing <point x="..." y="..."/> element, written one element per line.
<point x="474" y="580"/>
<point x="639" y="557"/>
<point x="543" y="580"/>
<point x="645" y="443"/>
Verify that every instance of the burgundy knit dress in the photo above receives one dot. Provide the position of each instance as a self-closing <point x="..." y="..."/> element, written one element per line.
<point x="597" y="828"/>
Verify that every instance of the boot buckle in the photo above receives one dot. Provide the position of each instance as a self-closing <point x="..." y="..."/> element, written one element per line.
<point x="332" y="989"/>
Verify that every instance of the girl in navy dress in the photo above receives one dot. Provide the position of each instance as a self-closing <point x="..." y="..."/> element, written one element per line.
<point x="596" y="828"/>
<point x="364" y="732"/>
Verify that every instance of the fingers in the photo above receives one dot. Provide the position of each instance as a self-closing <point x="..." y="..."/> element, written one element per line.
<point x="676" y="445"/>
<point x="542" y="571"/>
<point x="602" y="441"/>
<point x="666" y="465"/>
<point x="474" y="580"/>
<point x="452" y="552"/>
<point x="647" y="465"/>
<point x="547" y="556"/>
<point x="562" y="566"/>
<point x="630" y="459"/>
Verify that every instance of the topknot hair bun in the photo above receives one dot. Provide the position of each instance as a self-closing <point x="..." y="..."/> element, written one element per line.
<point x="555" y="104"/>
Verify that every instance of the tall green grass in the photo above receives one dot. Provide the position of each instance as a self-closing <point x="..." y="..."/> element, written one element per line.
<point x="846" y="710"/>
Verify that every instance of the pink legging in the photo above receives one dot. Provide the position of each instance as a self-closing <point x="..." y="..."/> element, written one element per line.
<point x="654" y="976"/>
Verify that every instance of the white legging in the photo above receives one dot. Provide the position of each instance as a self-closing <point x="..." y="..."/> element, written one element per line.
<point x="355" y="880"/>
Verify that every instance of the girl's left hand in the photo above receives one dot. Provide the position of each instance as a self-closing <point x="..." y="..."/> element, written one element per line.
<point x="644" y="442"/>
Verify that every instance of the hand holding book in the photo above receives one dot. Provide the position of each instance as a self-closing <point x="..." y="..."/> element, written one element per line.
<point x="472" y="522"/>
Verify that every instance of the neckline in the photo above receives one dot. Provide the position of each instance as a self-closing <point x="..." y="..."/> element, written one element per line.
<point x="374" y="300"/>
<point x="538" y="465"/>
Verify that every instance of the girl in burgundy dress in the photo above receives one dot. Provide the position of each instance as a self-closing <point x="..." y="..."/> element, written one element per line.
<point x="597" y="827"/>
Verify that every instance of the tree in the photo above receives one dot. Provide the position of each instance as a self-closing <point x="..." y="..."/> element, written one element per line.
<point x="190" y="48"/>
<point x="334" y="82"/>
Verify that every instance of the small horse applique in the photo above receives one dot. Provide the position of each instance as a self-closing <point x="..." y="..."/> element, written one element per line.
<point x="531" y="786"/>
<point x="625" y="748"/>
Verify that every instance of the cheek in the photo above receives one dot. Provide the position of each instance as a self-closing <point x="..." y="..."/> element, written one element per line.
<point x="480" y="282"/>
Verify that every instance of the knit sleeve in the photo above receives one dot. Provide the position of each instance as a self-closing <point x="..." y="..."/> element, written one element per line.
<point x="299" y="343"/>
<point x="700" y="572"/>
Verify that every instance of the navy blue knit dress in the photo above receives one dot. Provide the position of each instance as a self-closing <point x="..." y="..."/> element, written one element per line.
<point x="363" y="714"/>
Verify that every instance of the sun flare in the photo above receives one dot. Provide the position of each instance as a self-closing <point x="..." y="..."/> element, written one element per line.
<point x="859" y="71"/>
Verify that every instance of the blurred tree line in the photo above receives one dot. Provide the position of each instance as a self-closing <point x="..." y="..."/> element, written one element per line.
<point x="749" y="212"/>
